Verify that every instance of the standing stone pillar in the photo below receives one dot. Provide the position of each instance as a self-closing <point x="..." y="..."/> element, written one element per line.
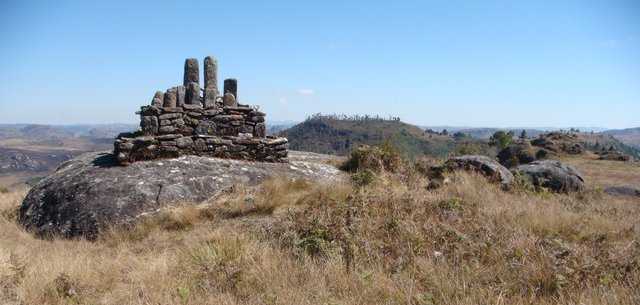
<point x="231" y="86"/>
<point x="210" y="73"/>
<point x="210" y="95"/>
<point x="210" y="81"/>
<point x="191" y="71"/>
<point x="193" y="94"/>
<point x="170" y="98"/>
<point x="181" y="93"/>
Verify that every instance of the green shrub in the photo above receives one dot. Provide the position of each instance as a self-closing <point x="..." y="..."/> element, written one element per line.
<point x="373" y="158"/>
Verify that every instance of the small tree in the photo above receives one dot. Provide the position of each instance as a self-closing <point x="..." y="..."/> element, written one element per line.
<point x="501" y="139"/>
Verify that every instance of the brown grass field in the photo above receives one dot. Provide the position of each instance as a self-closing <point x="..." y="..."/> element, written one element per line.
<point x="389" y="242"/>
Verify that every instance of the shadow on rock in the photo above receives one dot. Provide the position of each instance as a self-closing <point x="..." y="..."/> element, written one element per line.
<point x="105" y="160"/>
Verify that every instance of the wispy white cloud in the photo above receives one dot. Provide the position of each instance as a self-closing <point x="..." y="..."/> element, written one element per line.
<point x="306" y="92"/>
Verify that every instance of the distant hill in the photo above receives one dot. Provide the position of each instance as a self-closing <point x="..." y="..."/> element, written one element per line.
<point x="629" y="136"/>
<point x="31" y="150"/>
<point x="339" y="135"/>
<point x="486" y="133"/>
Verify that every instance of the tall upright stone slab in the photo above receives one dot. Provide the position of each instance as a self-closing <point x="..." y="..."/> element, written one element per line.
<point x="191" y="71"/>
<point x="193" y="94"/>
<point x="210" y="81"/>
<point x="210" y="73"/>
<point x="231" y="86"/>
<point x="181" y="93"/>
<point x="210" y="95"/>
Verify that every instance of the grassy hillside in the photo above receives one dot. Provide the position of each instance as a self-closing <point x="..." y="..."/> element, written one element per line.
<point x="629" y="136"/>
<point x="597" y="141"/>
<point x="390" y="242"/>
<point x="338" y="135"/>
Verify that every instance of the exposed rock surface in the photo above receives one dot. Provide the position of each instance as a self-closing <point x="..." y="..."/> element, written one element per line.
<point x="559" y="142"/>
<point x="622" y="191"/>
<point x="482" y="164"/>
<point x="89" y="193"/>
<point x="553" y="175"/>
<point x="613" y="155"/>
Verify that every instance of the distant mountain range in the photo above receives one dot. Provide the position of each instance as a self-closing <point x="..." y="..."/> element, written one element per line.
<point x="629" y="136"/>
<point x="37" y="148"/>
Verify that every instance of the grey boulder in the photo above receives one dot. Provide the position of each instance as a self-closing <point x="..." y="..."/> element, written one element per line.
<point x="90" y="193"/>
<point x="553" y="175"/>
<point x="483" y="165"/>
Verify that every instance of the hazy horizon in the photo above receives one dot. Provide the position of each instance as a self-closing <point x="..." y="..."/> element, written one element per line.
<point x="292" y="122"/>
<point x="471" y="64"/>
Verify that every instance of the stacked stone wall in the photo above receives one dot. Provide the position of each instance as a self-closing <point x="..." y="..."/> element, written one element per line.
<point x="180" y="121"/>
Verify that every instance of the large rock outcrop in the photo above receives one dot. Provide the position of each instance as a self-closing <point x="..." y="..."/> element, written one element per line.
<point x="483" y="165"/>
<point x="553" y="175"/>
<point x="558" y="142"/>
<point x="91" y="192"/>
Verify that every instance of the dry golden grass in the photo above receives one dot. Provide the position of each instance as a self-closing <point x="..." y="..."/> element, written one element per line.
<point x="390" y="242"/>
<point x="603" y="173"/>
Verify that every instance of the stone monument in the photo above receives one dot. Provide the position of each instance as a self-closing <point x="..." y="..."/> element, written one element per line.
<point x="181" y="121"/>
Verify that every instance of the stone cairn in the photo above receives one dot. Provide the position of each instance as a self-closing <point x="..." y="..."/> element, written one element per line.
<point x="181" y="121"/>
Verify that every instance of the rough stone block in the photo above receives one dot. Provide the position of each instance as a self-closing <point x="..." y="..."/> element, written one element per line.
<point x="200" y="145"/>
<point x="229" y="100"/>
<point x="231" y="86"/>
<point x="167" y="129"/>
<point x="194" y="107"/>
<point x="149" y="125"/>
<point x="184" y="142"/>
<point x="158" y="99"/>
<point x="191" y="71"/>
<point x="172" y="109"/>
<point x="170" y="116"/>
<point x="259" y="130"/>
<point x="168" y="143"/>
<point x="206" y="128"/>
<point x="170" y="98"/>
<point x="149" y="111"/>
<point x="168" y="137"/>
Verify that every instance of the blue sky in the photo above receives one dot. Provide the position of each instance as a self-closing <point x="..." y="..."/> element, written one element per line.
<point x="464" y="63"/>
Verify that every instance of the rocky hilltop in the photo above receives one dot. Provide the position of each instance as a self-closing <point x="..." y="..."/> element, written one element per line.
<point x="92" y="192"/>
